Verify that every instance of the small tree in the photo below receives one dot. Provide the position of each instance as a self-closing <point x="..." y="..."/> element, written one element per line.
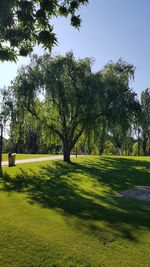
<point x="136" y="151"/>
<point x="109" y="148"/>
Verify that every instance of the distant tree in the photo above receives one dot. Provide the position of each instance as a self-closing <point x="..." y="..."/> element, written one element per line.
<point x="109" y="148"/>
<point x="102" y="134"/>
<point x="122" y="101"/>
<point x="25" y="134"/>
<point x="145" y="121"/>
<point x="24" y="23"/>
<point x="118" y="103"/>
<point x="136" y="151"/>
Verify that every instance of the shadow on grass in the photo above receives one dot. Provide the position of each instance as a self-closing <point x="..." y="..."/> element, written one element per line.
<point x="57" y="187"/>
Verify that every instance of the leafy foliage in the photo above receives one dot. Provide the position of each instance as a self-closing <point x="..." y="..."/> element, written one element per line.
<point x="120" y="100"/>
<point x="109" y="148"/>
<point x="136" y="151"/>
<point x="58" y="92"/>
<point x="24" y="23"/>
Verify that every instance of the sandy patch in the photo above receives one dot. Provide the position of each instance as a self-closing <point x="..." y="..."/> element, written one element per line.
<point x="138" y="192"/>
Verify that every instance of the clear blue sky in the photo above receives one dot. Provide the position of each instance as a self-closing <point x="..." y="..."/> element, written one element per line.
<point x="110" y="29"/>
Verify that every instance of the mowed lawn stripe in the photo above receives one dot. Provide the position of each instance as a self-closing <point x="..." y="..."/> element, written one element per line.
<point x="55" y="214"/>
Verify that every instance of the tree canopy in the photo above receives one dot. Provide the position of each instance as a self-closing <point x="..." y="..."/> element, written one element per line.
<point x="58" y="91"/>
<point x="119" y="102"/>
<point x="24" y="23"/>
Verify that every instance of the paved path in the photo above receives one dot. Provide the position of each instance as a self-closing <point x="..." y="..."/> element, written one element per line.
<point x="20" y="161"/>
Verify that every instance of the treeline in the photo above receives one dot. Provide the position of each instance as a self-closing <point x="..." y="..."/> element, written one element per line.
<point x="58" y="105"/>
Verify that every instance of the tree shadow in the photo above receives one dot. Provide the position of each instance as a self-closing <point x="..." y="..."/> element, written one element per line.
<point x="119" y="173"/>
<point x="56" y="187"/>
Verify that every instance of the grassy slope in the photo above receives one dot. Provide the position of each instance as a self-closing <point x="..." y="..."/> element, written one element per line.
<point x="26" y="156"/>
<point x="60" y="215"/>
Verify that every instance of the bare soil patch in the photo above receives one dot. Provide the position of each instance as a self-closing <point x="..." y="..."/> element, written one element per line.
<point x="138" y="192"/>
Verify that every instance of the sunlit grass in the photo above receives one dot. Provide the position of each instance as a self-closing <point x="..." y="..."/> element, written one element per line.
<point x="55" y="214"/>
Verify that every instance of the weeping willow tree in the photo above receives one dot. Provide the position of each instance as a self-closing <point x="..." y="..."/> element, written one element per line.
<point x="59" y="92"/>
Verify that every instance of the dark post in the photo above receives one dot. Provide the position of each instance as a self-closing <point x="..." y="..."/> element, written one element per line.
<point x="76" y="152"/>
<point x="1" y="146"/>
<point x="138" y="141"/>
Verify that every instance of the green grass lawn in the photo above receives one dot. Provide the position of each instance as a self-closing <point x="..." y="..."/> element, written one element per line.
<point x="54" y="214"/>
<point x="26" y="156"/>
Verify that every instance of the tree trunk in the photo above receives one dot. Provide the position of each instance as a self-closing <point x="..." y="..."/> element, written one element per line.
<point x="138" y="143"/>
<point x="148" y="146"/>
<point x="66" y="152"/>
<point x="67" y="156"/>
<point x="102" y="139"/>
<point x="125" y="148"/>
<point x="1" y="149"/>
<point x="101" y="148"/>
<point x="68" y="145"/>
<point x="144" y="146"/>
<point x="1" y="171"/>
<point x="89" y="143"/>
